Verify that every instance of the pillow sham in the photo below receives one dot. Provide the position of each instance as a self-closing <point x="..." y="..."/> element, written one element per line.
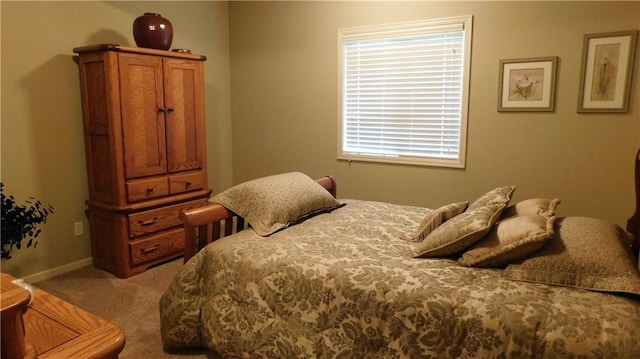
<point x="514" y="237"/>
<point x="587" y="253"/>
<point x="435" y="218"/>
<point x="499" y="195"/>
<point x="272" y="203"/>
<point x="467" y="228"/>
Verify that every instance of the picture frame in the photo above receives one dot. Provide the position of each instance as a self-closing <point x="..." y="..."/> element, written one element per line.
<point x="607" y="72"/>
<point x="528" y="84"/>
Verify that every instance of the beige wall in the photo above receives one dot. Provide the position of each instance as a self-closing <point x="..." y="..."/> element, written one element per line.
<point x="284" y="104"/>
<point x="42" y="141"/>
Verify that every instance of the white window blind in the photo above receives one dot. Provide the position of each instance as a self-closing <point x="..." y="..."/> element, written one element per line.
<point x="404" y="92"/>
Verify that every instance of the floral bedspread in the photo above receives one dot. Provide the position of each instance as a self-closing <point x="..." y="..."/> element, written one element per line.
<point x="342" y="285"/>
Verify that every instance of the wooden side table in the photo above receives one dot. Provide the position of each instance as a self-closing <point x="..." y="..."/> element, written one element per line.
<point x="58" y="329"/>
<point x="13" y="302"/>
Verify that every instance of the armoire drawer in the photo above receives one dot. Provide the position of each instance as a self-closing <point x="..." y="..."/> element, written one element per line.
<point x="140" y="190"/>
<point x="159" y="219"/>
<point x="186" y="182"/>
<point x="158" y="246"/>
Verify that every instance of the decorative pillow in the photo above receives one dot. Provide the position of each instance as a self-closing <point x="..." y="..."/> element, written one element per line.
<point x="514" y="237"/>
<point x="275" y="202"/>
<point x="436" y="218"/>
<point x="498" y="195"/>
<point x="532" y="206"/>
<point x="587" y="253"/>
<point x="467" y="228"/>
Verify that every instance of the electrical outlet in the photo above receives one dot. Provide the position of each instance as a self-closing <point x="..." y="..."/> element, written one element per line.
<point x="78" y="229"/>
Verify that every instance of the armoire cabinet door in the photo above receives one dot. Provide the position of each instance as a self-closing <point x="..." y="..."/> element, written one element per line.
<point x="143" y="115"/>
<point x="184" y="100"/>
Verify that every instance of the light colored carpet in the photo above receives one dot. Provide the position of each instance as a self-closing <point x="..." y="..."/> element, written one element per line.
<point x="130" y="303"/>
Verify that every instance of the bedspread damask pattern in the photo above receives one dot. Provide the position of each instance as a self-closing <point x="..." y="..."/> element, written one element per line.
<point x="343" y="285"/>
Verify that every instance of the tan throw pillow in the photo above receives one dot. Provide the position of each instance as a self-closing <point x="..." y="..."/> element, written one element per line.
<point x="436" y="218"/>
<point x="467" y="228"/>
<point x="498" y="195"/>
<point x="275" y="202"/>
<point x="586" y="253"/>
<point x="514" y="237"/>
<point x="532" y="206"/>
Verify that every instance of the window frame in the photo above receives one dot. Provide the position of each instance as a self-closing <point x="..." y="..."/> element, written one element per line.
<point x="420" y="27"/>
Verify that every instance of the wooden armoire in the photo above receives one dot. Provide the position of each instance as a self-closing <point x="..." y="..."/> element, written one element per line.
<point x="144" y="132"/>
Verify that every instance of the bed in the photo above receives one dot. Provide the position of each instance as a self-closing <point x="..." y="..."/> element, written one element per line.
<point x="280" y="268"/>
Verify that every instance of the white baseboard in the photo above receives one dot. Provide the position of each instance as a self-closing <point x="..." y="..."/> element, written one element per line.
<point x="36" y="277"/>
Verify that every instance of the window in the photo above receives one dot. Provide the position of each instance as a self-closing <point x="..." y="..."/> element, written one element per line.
<point x="404" y="92"/>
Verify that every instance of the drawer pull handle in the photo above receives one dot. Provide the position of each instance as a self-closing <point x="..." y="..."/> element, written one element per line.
<point x="148" y="222"/>
<point x="149" y="190"/>
<point x="188" y="184"/>
<point x="150" y="250"/>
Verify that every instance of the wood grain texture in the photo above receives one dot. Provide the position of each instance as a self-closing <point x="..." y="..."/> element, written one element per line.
<point x="145" y="143"/>
<point x="13" y="302"/>
<point x="54" y="328"/>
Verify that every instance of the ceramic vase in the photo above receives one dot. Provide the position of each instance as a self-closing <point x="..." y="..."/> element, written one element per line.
<point x="153" y="31"/>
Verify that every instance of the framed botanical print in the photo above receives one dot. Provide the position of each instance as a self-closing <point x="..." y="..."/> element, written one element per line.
<point x="607" y="71"/>
<point x="527" y="84"/>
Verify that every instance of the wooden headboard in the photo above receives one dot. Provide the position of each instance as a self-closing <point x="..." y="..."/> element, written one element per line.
<point x="633" y="225"/>
<point x="209" y="223"/>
